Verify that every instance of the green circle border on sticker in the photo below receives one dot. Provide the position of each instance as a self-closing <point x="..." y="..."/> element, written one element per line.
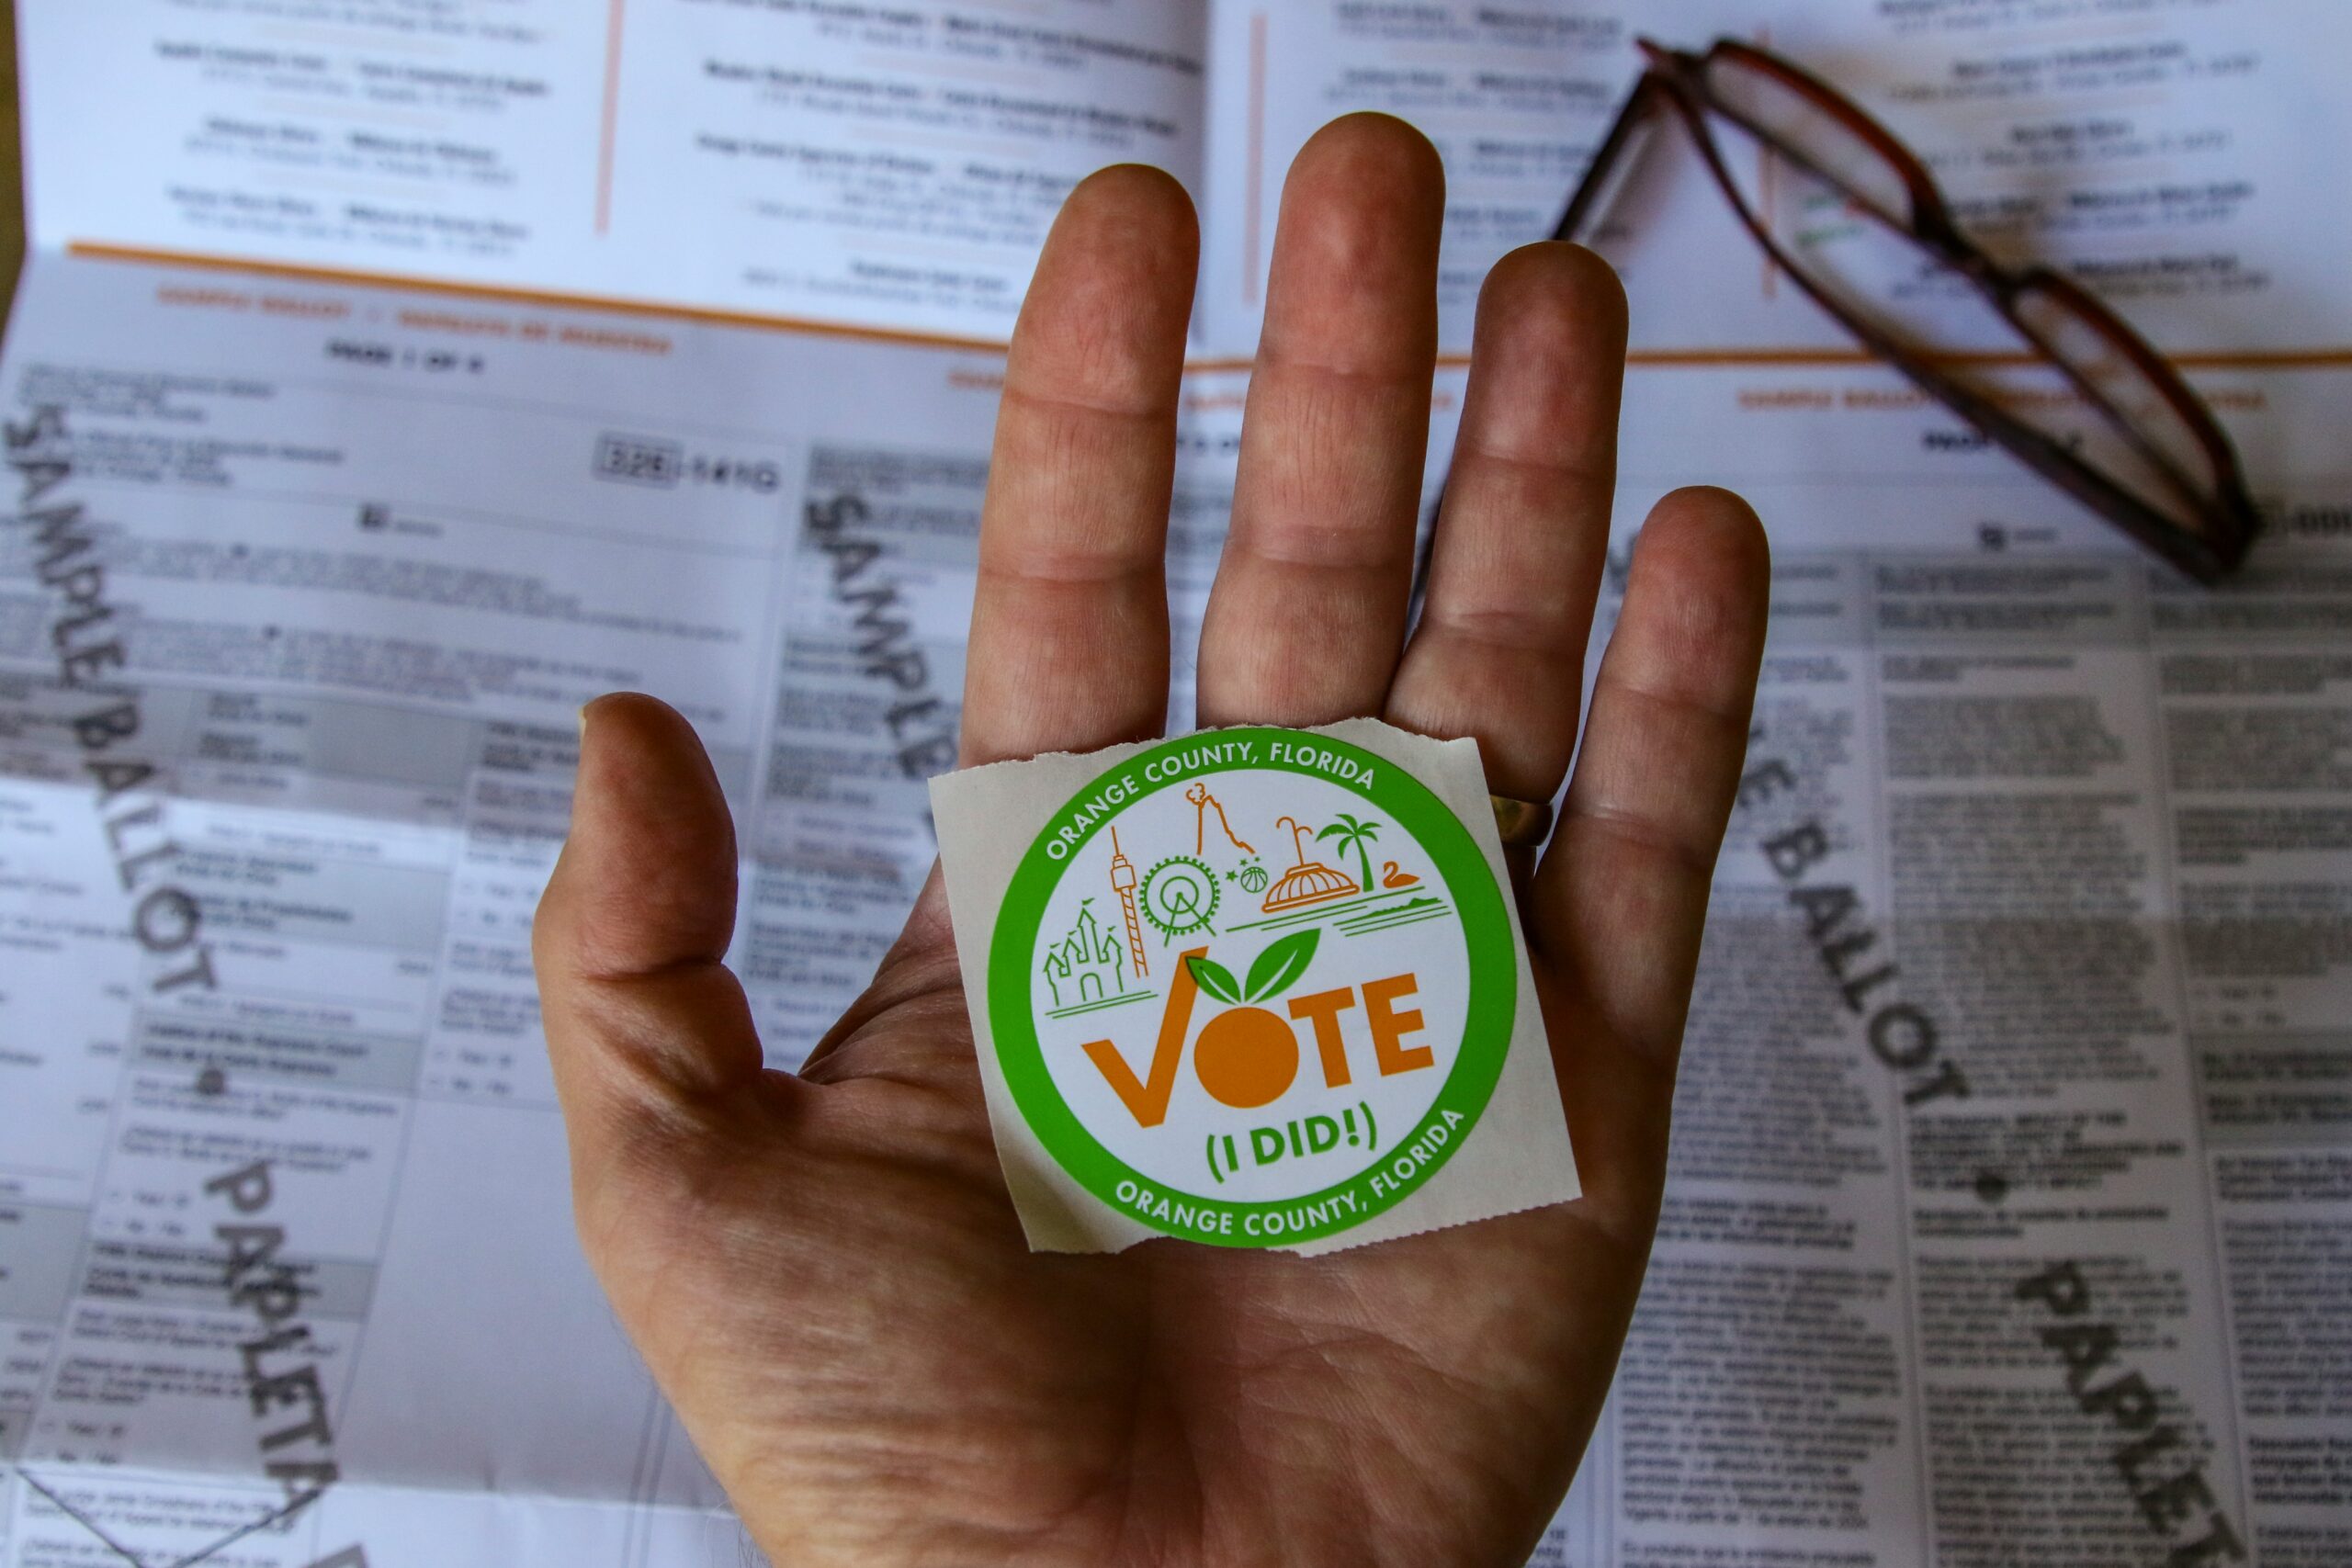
<point x="1491" y="1011"/>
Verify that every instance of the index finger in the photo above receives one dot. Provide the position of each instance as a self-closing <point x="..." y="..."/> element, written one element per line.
<point x="1068" y="646"/>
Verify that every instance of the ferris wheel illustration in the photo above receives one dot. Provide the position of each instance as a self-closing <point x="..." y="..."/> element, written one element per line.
<point x="1178" y="895"/>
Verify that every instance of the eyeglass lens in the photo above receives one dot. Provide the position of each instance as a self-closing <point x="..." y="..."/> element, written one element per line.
<point x="1851" y="241"/>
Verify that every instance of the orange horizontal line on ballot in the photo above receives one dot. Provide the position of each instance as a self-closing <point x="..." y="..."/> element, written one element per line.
<point x="1819" y="358"/>
<point x="2192" y="359"/>
<point x="546" y="298"/>
<point x="1834" y="358"/>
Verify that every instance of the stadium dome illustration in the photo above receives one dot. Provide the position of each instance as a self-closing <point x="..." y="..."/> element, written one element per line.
<point x="1308" y="881"/>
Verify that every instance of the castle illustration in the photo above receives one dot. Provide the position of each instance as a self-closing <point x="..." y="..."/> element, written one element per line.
<point x="1086" y="965"/>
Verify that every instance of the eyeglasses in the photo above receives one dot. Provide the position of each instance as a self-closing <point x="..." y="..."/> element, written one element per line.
<point x="1876" y="244"/>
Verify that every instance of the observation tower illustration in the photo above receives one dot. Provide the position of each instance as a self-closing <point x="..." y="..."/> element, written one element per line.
<point x="1122" y="882"/>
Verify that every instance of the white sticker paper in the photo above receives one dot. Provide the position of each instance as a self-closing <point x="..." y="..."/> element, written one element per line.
<point x="1252" y="987"/>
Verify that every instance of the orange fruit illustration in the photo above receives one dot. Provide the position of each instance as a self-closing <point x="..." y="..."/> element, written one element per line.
<point x="1246" y="1057"/>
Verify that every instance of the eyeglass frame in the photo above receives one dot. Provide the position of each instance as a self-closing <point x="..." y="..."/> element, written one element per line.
<point x="1679" y="78"/>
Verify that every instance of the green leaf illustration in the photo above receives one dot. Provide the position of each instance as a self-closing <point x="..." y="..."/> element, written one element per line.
<point x="1215" y="979"/>
<point x="1282" y="962"/>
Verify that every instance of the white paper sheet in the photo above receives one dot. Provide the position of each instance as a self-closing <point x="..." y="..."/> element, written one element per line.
<point x="890" y="166"/>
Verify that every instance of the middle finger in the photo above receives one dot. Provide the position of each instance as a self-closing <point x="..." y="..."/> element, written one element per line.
<point x="1498" y="654"/>
<point x="1307" y="613"/>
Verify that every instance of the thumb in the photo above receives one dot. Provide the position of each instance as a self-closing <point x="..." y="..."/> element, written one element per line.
<point x="643" y="1021"/>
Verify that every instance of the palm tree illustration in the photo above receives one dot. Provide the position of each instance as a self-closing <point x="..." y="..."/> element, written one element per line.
<point x="1351" y="834"/>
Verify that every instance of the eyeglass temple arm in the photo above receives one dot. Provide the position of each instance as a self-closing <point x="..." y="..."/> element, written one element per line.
<point x="1586" y="205"/>
<point x="1606" y="172"/>
<point x="2206" y="560"/>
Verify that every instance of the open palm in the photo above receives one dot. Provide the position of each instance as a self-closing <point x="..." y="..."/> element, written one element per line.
<point x="824" y="1272"/>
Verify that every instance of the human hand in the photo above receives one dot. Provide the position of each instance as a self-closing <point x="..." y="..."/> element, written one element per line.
<point x="824" y="1272"/>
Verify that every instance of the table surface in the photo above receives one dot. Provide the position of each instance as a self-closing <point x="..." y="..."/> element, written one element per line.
<point x="12" y="172"/>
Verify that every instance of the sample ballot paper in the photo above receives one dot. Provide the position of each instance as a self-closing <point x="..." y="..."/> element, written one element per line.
<point x="389" y="377"/>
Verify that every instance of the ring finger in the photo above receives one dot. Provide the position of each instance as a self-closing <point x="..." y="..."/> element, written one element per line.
<point x="1499" y="653"/>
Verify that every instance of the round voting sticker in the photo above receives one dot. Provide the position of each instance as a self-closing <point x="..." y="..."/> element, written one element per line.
<point x="1252" y="987"/>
